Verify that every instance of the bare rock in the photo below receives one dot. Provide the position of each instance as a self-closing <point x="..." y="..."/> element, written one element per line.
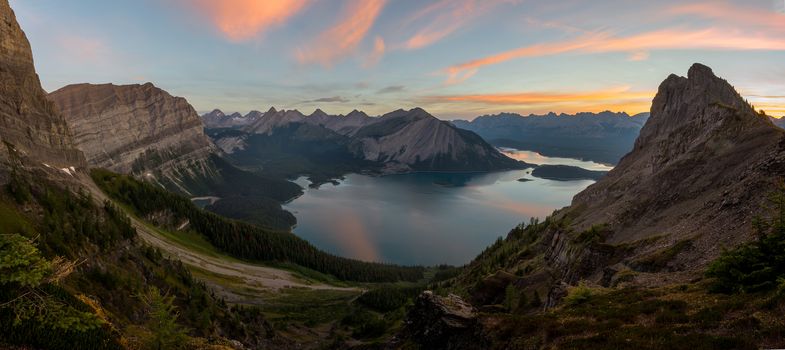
<point x="135" y="129"/>
<point x="437" y="322"/>
<point x="29" y="123"/>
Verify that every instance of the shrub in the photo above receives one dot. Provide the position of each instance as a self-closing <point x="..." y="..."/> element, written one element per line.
<point x="755" y="266"/>
<point x="579" y="294"/>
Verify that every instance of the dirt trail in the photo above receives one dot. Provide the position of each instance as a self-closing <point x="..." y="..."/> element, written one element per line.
<point x="254" y="275"/>
<point x="246" y="280"/>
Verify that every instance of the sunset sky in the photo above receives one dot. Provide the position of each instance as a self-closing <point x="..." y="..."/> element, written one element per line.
<point x="457" y="59"/>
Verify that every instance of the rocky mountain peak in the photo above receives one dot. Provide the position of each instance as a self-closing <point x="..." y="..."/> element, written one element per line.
<point x="318" y="113"/>
<point x="216" y="113"/>
<point x="704" y="160"/>
<point x="695" y="108"/>
<point x="28" y="122"/>
<point x="356" y="113"/>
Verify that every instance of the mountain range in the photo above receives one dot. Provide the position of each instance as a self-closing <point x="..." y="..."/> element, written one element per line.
<point x="679" y="246"/>
<point x="324" y="146"/>
<point x="602" y="137"/>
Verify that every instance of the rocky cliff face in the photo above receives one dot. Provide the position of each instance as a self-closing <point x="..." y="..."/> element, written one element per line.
<point x="29" y="123"/>
<point x="137" y="129"/>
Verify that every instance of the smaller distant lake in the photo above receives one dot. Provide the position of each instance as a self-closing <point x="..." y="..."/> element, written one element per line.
<point x="426" y="218"/>
<point x="536" y="158"/>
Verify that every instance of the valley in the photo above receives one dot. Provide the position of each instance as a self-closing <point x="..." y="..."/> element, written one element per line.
<point x="134" y="218"/>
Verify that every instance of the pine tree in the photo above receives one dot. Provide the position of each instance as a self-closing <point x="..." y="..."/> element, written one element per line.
<point x="166" y="333"/>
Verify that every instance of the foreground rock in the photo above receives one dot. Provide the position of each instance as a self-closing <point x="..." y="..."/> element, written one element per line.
<point x="436" y="322"/>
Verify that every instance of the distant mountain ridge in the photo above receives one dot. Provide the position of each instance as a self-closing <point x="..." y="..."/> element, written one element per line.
<point x="399" y="141"/>
<point x="218" y="119"/>
<point x="603" y="137"/>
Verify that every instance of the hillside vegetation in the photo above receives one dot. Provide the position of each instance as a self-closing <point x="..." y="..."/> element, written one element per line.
<point x="240" y="239"/>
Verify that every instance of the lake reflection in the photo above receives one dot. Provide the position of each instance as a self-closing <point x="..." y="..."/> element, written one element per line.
<point x="424" y="218"/>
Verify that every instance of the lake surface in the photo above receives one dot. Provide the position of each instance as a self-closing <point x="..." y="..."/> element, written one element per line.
<point x="424" y="218"/>
<point x="539" y="159"/>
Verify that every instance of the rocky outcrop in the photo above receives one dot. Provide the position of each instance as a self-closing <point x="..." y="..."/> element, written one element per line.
<point x="29" y="123"/>
<point x="436" y="322"/>
<point x="136" y="129"/>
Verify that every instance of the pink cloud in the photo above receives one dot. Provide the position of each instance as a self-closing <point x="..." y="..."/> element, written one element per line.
<point x="344" y="37"/>
<point x="603" y="42"/>
<point x="241" y="20"/>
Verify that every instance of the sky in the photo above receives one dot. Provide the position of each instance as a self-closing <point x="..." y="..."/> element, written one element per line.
<point x="458" y="59"/>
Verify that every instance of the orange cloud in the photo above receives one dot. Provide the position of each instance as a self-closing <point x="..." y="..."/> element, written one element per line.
<point x="772" y="108"/>
<point x="549" y="97"/>
<point x="590" y="101"/>
<point x="668" y="39"/>
<point x="241" y="20"/>
<point x="450" y="15"/>
<point x="639" y="56"/>
<point x="343" y="38"/>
